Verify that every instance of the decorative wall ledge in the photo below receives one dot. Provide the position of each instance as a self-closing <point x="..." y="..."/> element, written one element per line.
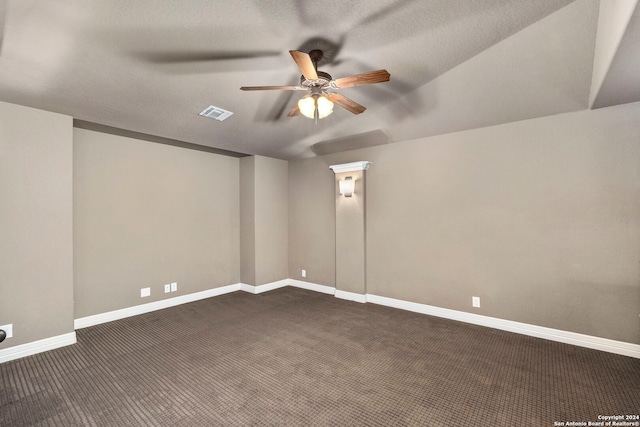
<point x="350" y="167"/>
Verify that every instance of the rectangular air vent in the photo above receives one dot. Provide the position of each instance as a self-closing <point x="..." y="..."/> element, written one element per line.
<point x="215" y="113"/>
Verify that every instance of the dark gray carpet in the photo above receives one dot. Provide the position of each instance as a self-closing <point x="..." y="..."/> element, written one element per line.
<point x="295" y="357"/>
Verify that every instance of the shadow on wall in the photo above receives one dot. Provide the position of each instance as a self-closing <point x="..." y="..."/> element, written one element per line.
<point x="351" y="142"/>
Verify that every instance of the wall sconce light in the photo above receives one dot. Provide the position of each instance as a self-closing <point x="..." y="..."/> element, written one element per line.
<point x="347" y="186"/>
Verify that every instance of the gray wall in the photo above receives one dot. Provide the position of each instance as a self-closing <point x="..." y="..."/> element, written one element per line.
<point x="539" y="218"/>
<point x="350" y="235"/>
<point x="312" y="220"/>
<point x="264" y="220"/>
<point x="247" y="220"/>
<point x="147" y="214"/>
<point x="36" y="253"/>
<point x="272" y="220"/>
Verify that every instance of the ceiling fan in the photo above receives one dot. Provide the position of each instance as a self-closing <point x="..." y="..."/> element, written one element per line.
<point x="320" y="98"/>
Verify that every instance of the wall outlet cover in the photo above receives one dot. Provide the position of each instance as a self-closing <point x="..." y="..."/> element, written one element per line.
<point x="304" y="273"/>
<point x="145" y="292"/>
<point x="167" y="288"/>
<point x="8" y="330"/>
<point x="174" y="286"/>
<point x="475" y="301"/>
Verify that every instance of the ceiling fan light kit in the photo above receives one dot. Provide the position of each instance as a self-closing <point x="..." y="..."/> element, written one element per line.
<point x="319" y="101"/>
<point x="324" y="107"/>
<point x="309" y="105"/>
<point x="315" y="105"/>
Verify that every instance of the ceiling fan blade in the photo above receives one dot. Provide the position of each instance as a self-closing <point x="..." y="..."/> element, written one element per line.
<point x="273" y="88"/>
<point x="305" y="64"/>
<point x="294" y="112"/>
<point x="346" y="103"/>
<point x="363" y="79"/>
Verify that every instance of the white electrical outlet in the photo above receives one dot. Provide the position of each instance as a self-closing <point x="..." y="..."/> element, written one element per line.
<point x="8" y="329"/>
<point x="145" y="292"/>
<point x="304" y="273"/>
<point x="174" y="286"/>
<point x="475" y="301"/>
<point x="167" y="288"/>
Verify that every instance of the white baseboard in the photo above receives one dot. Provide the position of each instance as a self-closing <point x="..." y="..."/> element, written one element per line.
<point x="264" y="288"/>
<point x="351" y="296"/>
<point x="588" y="341"/>
<point x="38" y="346"/>
<point x="312" y="286"/>
<point x="247" y="288"/>
<point x="109" y="316"/>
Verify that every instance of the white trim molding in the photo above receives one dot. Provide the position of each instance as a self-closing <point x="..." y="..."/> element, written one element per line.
<point x="122" y="313"/>
<point x="35" y="347"/>
<point x="264" y="288"/>
<point x="312" y="286"/>
<point x="350" y="167"/>
<point x="588" y="341"/>
<point x="351" y="296"/>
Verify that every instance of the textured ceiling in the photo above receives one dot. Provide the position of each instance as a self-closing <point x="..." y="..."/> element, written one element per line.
<point x="151" y="66"/>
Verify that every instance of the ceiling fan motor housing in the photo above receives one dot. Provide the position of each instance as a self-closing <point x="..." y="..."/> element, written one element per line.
<point x="323" y="79"/>
<point x="316" y="56"/>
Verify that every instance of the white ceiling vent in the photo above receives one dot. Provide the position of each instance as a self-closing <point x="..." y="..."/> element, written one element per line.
<point x="216" y="113"/>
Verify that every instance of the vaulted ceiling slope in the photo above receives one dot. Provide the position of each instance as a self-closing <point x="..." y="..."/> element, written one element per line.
<point x="151" y="66"/>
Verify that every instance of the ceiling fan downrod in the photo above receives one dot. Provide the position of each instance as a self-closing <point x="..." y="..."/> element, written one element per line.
<point x="316" y="56"/>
